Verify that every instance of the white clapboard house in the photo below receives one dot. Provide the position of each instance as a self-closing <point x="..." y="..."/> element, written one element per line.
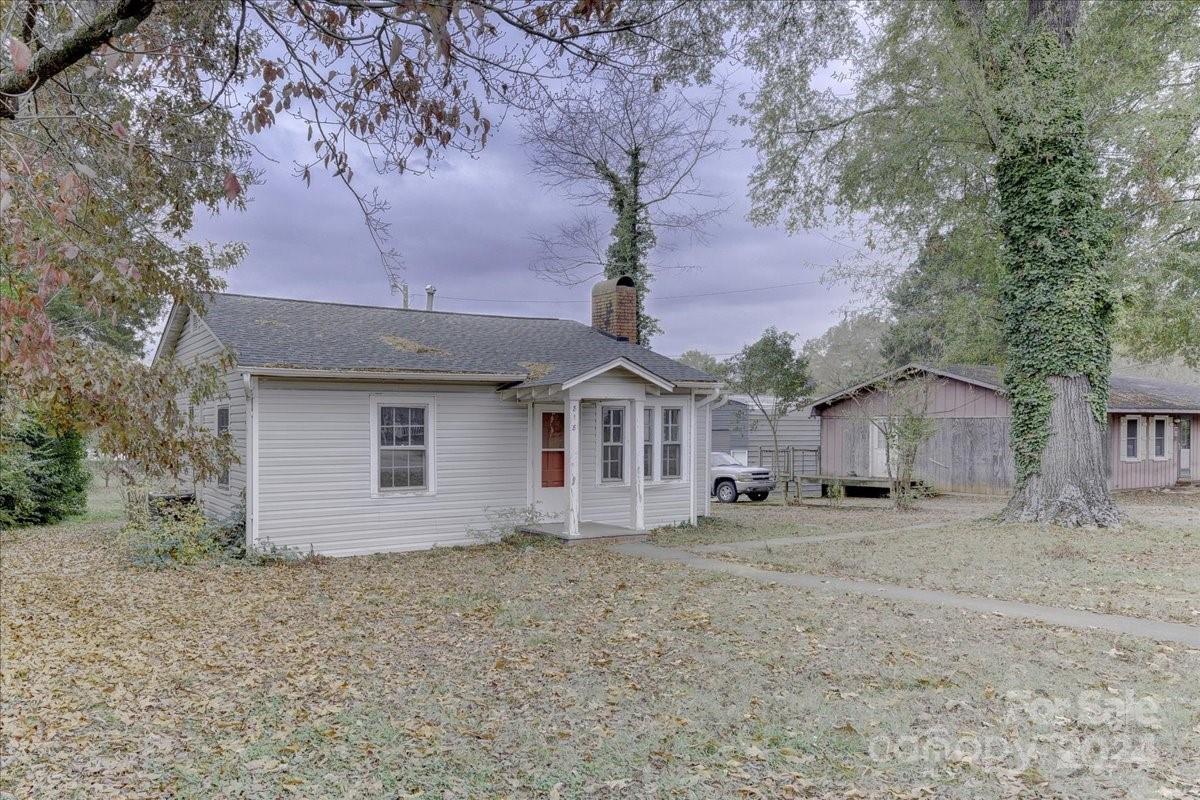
<point x="364" y="429"/>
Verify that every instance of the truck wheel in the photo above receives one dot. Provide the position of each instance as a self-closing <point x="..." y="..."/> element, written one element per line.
<point x="727" y="492"/>
<point x="757" y="497"/>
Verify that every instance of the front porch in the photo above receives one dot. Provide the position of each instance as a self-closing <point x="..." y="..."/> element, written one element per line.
<point x="588" y="532"/>
<point x="600" y="441"/>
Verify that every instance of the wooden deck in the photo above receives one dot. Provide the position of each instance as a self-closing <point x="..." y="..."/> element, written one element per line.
<point x="588" y="532"/>
<point x="858" y="480"/>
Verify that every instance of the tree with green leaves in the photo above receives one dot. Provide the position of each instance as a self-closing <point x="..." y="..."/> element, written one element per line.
<point x="633" y="146"/>
<point x="773" y="376"/>
<point x="1057" y="135"/>
<point x="704" y="362"/>
<point x="847" y="353"/>
<point x="43" y="474"/>
<point x="945" y="308"/>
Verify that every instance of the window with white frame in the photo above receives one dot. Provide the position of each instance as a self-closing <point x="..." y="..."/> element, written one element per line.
<point x="672" y="443"/>
<point x="1160" y="438"/>
<point x="402" y="447"/>
<point x="1131" y="439"/>
<point x="222" y="430"/>
<point x="612" y="443"/>
<point x="648" y="443"/>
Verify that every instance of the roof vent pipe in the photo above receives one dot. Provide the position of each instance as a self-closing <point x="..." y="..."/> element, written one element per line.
<point x="429" y="292"/>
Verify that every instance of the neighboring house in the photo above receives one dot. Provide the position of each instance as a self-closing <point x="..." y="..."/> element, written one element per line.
<point x="364" y="429"/>
<point x="743" y="427"/>
<point x="1150" y="424"/>
<point x="799" y="435"/>
<point x="731" y="430"/>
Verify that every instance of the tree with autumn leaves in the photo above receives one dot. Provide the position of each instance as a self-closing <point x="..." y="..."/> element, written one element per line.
<point x="121" y="119"/>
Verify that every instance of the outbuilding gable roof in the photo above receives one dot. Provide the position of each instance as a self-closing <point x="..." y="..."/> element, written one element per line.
<point x="1126" y="392"/>
<point x="270" y="332"/>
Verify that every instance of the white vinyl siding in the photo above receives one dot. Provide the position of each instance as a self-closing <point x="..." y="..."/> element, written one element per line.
<point x="197" y="345"/>
<point x="648" y="443"/>
<point x="701" y="468"/>
<point x="315" y="474"/>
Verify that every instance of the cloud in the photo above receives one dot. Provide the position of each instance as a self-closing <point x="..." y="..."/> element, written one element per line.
<point x="466" y="229"/>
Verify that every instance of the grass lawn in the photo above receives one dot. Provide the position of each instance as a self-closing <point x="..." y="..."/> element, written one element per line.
<point x="530" y="670"/>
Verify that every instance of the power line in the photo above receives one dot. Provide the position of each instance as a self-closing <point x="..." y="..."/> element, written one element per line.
<point x="665" y="297"/>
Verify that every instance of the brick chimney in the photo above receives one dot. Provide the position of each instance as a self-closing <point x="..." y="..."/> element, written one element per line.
<point x="614" y="308"/>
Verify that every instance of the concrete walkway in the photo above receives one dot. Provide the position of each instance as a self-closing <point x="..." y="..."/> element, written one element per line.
<point x="1188" y="635"/>
<point x="787" y="541"/>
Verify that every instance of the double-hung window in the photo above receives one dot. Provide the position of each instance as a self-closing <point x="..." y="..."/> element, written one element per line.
<point x="612" y="443"/>
<point x="672" y="443"/>
<point x="222" y="430"/>
<point x="403" y="447"/>
<point x="648" y="444"/>
<point x="1131" y="439"/>
<point x="1160" y="438"/>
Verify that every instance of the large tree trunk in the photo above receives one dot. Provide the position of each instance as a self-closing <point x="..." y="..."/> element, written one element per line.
<point x="1058" y="297"/>
<point x="1071" y="485"/>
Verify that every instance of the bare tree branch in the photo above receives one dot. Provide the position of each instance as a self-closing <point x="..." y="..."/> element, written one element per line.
<point x="621" y="136"/>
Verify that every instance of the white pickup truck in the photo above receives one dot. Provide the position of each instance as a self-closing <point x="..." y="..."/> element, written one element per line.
<point x="731" y="479"/>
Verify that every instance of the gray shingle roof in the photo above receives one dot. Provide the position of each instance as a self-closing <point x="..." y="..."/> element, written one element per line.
<point x="1126" y="392"/>
<point x="274" y="332"/>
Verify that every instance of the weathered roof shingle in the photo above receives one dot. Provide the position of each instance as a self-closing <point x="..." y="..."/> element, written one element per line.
<point x="1126" y="392"/>
<point x="304" y="334"/>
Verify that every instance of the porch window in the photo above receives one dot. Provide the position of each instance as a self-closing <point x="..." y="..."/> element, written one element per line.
<point x="402" y="447"/>
<point x="612" y="443"/>
<point x="672" y="443"/>
<point x="1160" y="437"/>
<point x="222" y="430"/>
<point x="648" y="444"/>
<point x="1131" y="433"/>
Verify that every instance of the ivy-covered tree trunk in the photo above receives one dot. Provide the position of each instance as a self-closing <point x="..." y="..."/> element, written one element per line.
<point x="1057" y="298"/>
<point x="633" y="238"/>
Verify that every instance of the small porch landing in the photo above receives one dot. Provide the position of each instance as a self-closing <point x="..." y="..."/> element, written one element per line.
<point x="588" y="532"/>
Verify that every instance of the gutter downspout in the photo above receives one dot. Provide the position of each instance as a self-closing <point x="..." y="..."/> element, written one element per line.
<point x="250" y="393"/>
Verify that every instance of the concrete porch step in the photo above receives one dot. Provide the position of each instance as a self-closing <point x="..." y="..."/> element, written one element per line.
<point x="589" y="533"/>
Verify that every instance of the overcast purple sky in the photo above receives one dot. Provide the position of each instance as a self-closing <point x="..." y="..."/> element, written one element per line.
<point x="466" y="229"/>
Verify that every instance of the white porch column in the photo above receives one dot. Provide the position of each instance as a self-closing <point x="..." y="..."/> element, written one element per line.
<point x="572" y="476"/>
<point x="639" y="465"/>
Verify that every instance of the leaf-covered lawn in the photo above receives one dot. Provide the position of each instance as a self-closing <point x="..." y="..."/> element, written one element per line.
<point x="1150" y="568"/>
<point x="816" y="517"/>
<point x="540" y="671"/>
